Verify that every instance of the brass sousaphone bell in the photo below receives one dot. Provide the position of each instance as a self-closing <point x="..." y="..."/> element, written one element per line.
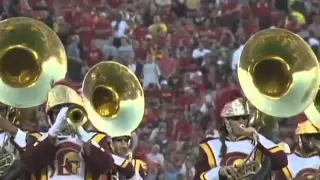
<point x="32" y="58"/>
<point x="113" y="98"/>
<point x="278" y="72"/>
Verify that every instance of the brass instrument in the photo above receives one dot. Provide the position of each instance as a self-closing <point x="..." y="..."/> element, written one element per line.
<point x="129" y="158"/>
<point x="278" y="72"/>
<point x="32" y="58"/>
<point x="113" y="98"/>
<point x="262" y="121"/>
<point x="7" y="159"/>
<point x="313" y="111"/>
<point x="76" y="116"/>
<point x="64" y="95"/>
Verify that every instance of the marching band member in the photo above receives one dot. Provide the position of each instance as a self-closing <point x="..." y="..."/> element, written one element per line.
<point x="13" y="141"/>
<point x="60" y="156"/>
<point x="120" y="146"/>
<point x="220" y="157"/>
<point x="124" y="167"/>
<point x="304" y="161"/>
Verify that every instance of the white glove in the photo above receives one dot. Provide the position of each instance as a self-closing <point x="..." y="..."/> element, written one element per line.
<point x="60" y="122"/>
<point x="84" y="135"/>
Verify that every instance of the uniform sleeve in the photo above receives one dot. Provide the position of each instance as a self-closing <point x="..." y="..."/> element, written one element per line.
<point x="96" y="154"/>
<point x="124" y="166"/>
<point x="20" y="139"/>
<point x="278" y="157"/>
<point x="284" y="174"/>
<point x="39" y="152"/>
<point x="206" y="160"/>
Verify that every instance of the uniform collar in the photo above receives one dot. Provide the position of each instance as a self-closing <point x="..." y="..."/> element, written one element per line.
<point x="240" y="138"/>
<point x="311" y="154"/>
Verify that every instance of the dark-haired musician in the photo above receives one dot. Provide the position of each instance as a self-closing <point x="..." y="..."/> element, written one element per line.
<point x="304" y="161"/>
<point x="12" y="141"/>
<point x="60" y="154"/>
<point x="220" y="158"/>
<point x="120" y="146"/>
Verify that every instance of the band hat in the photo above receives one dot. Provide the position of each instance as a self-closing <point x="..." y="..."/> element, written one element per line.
<point x="61" y="94"/>
<point x="230" y="102"/>
<point x="237" y="107"/>
<point x="305" y="126"/>
<point x="125" y="135"/>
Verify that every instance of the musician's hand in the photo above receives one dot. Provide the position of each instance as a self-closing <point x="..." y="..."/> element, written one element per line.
<point x="60" y="122"/>
<point x="250" y="132"/>
<point x="228" y="171"/>
<point x="7" y="126"/>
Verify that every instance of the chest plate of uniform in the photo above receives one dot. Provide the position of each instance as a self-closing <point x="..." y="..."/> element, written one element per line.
<point x="237" y="151"/>
<point x="302" y="167"/>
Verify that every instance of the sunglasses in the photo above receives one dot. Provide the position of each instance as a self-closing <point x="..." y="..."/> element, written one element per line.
<point x="237" y="118"/>
<point x="310" y="136"/>
<point x="120" y="139"/>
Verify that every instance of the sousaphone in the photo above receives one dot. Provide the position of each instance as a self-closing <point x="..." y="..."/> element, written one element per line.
<point x="278" y="72"/>
<point x="279" y="75"/>
<point x="32" y="58"/>
<point x="113" y="98"/>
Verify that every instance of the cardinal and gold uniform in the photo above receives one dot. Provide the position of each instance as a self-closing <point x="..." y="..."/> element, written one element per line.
<point x="15" y="144"/>
<point x="301" y="165"/>
<point x="208" y="167"/>
<point x="65" y="156"/>
<point x="225" y="151"/>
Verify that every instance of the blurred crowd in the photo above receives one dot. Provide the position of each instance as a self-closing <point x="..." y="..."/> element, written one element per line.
<point x="183" y="51"/>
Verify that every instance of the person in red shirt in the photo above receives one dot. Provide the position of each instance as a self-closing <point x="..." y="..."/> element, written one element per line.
<point x="229" y="13"/>
<point x="71" y="14"/>
<point x="139" y="31"/>
<point x="141" y="50"/>
<point x="167" y="65"/>
<point x="102" y="30"/>
<point x="262" y="9"/>
<point x="115" y="3"/>
<point x="187" y="98"/>
<point x="209" y="30"/>
<point x="94" y="55"/>
<point x="181" y="129"/>
<point x="245" y="13"/>
<point x="252" y="28"/>
<point x="84" y="27"/>
<point x="229" y="7"/>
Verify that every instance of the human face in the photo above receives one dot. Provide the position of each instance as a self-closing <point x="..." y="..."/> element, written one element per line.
<point x="310" y="142"/>
<point x="234" y="125"/>
<point x="121" y="144"/>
